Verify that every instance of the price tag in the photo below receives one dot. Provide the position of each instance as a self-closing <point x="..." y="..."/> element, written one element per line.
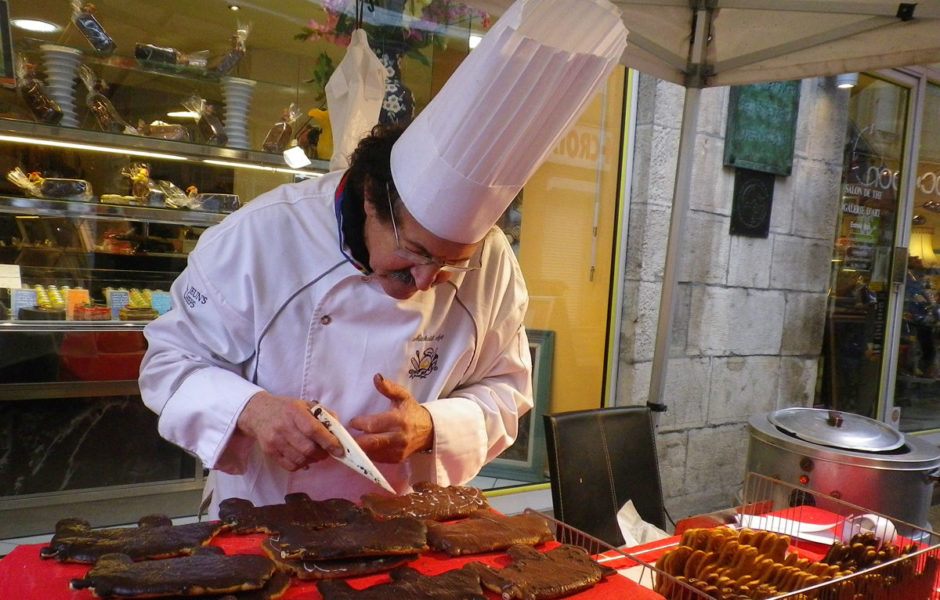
<point x="160" y="302"/>
<point x="21" y="298"/>
<point x="118" y="299"/>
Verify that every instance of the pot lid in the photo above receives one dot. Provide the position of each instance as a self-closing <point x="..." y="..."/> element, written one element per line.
<point x="837" y="429"/>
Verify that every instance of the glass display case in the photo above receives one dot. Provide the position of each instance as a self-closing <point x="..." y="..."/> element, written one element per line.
<point x="94" y="228"/>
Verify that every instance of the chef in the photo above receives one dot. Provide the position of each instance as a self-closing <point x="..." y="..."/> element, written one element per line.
<point x="382" y="293"/>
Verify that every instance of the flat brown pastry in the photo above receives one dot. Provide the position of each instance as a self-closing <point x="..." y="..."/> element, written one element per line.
<point x="207" y="571"/>
<point x="273" y="589"/>
<point x="365" y="535"/>
<point x="154" y="537"/>
<point x="429" y="501"/>
<point x="337" y="567"/>
<point x="298" y="509"/>
<point x="535" y="575"/>
<point x="486" y="531"/>
<point x="408" y="584"/>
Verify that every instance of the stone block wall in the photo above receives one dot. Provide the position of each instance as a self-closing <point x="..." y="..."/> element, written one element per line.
<point x="748" y="328"/>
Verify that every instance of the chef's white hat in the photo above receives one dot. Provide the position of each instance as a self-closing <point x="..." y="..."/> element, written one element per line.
<point x="469" y="152"/>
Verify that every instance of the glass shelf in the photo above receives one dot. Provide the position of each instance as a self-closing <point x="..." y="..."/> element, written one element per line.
<point x="146" y="147"/>
<point x="70" y="208"/>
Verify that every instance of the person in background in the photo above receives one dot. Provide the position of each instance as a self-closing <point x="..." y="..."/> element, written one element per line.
<point x="383" y="293"/>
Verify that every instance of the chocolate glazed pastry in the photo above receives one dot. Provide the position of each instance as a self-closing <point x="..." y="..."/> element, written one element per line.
<point x="338" y="567"/>
<point x="408" y="584"/>
<point x="535" y="575"/>
<point x="486" y="531"/>
<point x="428" y="501"/>
<point x="364" y="536"/>
<point x="298" y="510"/>
<point x="154" y="537"/>
<point x="273" y="589"/>
<point x="207" y="571"/>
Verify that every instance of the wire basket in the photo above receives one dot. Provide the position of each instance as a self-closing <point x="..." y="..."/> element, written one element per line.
<point x="814" y="557"/>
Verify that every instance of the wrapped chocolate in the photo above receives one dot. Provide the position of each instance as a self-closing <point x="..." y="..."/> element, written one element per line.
<point x="224" y="203"/>
<point x="83" y="15"/>
<point x="209" y="125"/>
<point x="33" y="94"/>
<point x="164" y="131"/>
<point x="106" y="115"/>
<point x="50" y="187"/>
<point x="170" y="56"/>
<point x="280" y="135"/>
<point x="233" y="56"/>
<point x="141" y="185"/>
<point x="173" y="196"/>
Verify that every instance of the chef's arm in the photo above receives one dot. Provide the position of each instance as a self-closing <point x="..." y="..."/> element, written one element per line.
<point x="191" y="373"/>
<point x="478" y="421"/>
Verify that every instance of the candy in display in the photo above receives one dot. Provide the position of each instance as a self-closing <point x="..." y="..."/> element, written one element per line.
<point x="83" y="15"/>
<point x="209" y="125"/>
<point x="225" y="203"/>
<point x="33" y="94"/>
<point x="280" y="135"/>
<point x="170" y="56"/>
<point x="50" y="187"/>
<point x="141" y="186"/>
<point x="99" y="105"/>
<point x="233" y="56"/>
<point x="164" y="131"/>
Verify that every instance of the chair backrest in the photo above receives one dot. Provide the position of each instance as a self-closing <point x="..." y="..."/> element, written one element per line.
<point x="598" y="459"/>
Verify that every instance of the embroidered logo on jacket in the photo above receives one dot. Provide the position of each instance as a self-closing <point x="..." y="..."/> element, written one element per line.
<point x="193" y="297"/>
<point x="423" y="364"/>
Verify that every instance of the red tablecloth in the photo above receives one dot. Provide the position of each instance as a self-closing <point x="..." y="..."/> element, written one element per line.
<point x="25" y="576"/>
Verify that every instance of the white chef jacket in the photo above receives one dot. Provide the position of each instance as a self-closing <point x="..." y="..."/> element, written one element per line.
<point x="269" y="302"/>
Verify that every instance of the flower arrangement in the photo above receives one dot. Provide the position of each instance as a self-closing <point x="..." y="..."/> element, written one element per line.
<point x="407" y="25"/>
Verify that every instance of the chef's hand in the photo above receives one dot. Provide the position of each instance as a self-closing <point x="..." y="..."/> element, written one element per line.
<point x="393" y="436"/>
<point x="286" y="431"/>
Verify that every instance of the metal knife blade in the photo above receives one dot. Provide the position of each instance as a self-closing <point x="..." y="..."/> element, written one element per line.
<point x="354" y="458"/>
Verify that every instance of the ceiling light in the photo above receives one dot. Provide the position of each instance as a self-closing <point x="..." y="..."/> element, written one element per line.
<point x="35" y="25"/>
<point x="846" y="80"/>
<point x="232" y="7"/>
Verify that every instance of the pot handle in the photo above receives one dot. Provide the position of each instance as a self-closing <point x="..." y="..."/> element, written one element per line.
<point x="934" y="476"/>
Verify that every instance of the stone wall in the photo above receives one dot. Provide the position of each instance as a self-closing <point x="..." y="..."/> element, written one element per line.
<point x="748" y="330"/>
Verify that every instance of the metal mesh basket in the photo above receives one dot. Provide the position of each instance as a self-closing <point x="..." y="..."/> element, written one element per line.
<point x="820" y="529"/>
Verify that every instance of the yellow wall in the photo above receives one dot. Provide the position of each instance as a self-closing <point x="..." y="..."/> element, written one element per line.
<point x="568" y="296"/>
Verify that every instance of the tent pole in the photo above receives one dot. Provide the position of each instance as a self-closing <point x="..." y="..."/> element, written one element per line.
<point x="674" y="249"/>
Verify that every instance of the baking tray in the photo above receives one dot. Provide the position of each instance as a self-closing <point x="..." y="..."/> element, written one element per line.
<point x="813" y="521"/>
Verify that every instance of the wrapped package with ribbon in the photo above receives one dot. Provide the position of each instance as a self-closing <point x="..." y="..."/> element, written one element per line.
<point x="231" y="58"/>
<point x="33" y="94"/>
<point x="83" y="16"/>
<point x="210" y="127"/>
<point x="106" y="115"/>
<point x="281" y="133"/>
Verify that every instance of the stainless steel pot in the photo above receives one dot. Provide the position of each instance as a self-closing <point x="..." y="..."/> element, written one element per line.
<point x="846" y="456"/>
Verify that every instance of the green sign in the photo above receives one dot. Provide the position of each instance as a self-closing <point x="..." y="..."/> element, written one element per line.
<point x="762" y="126"/>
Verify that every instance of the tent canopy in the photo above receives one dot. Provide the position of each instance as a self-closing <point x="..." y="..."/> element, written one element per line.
<point x="750" y="41"/>
<point x="709" y="43"/>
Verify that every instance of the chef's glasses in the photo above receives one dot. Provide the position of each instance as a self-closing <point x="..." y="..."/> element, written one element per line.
<point x="461" y="266"/>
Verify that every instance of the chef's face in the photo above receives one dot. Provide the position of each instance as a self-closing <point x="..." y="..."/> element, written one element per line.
<point x="406" y="257"/>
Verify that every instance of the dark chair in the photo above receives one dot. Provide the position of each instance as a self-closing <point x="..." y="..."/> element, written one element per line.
<point x="598" y="459"/>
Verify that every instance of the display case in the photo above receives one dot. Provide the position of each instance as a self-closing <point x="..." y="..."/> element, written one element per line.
<point x="81" y="274"/>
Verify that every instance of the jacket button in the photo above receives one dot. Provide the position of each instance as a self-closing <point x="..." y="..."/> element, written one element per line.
<point x="325" y="320"/>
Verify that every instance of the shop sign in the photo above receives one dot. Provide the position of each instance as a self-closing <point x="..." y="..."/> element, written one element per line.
<point x="580" y="147"/>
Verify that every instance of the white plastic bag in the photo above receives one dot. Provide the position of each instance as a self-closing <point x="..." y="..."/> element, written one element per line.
<point x="354" y="96"/>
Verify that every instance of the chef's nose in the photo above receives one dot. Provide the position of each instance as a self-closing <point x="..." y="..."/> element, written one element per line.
<point x="425" y="275"/>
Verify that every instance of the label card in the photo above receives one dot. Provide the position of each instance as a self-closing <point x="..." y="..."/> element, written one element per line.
<point x="118" y="299"/>
<point x="21" y="298"/>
